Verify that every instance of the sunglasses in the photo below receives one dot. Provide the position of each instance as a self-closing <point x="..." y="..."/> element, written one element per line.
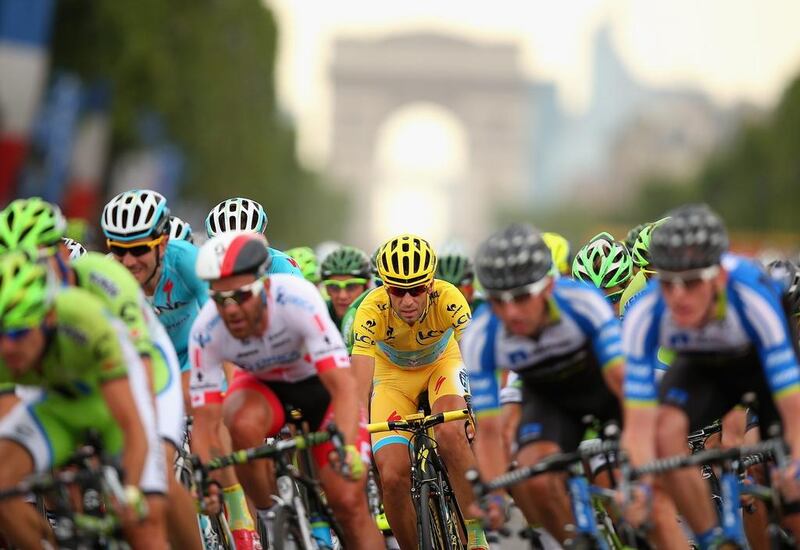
<point x="687" y="280"/>
<point x="136" y="250"/>
<point x="239" y="295"/>
<point x="401" y="292"/>
<point x="347" y="284"/>
<point x="15" y="334"/>
<point x="518" y="295"/>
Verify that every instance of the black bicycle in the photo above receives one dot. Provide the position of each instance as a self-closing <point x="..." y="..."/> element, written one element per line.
<point x="440" y="523"/>
<point x="91" y="521"/>
<point x="299" y="497"/>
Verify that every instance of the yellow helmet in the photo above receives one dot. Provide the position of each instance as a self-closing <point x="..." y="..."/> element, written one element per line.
<point x="406" y="261"/>
<point x="559" y="248"/>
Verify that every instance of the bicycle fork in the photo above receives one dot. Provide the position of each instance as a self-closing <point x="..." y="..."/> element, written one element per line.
<point x="731" y="520"/>
<point x="583" y="511"/>
<point x="288" y="494"/>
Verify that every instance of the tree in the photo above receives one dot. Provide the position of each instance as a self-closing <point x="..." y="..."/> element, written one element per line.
<point x="207" y="68"/>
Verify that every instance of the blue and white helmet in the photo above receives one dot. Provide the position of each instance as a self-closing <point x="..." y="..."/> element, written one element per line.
<point x="135" y="215"/>
<point x="179" y="229"/>
<point x="76" y="249"/>
<point x="237" y="214"/>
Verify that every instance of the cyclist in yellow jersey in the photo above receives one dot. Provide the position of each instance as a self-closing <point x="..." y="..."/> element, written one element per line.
<point x="405" y="344"/>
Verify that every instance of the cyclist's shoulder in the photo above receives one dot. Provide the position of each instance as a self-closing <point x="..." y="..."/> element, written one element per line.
<point x="80" y="317"/>
<point x="180" y="256"/>
<point x="376" y="298"/>
<point x="579" y="299"/>
<point x="283" y="263"/>
<point x="106" y="273"/>
<point x="208" y="322"/>
<point x="291" y="294"/>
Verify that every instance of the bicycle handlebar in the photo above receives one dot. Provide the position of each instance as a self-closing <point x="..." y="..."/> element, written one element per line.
<point x="419" y="422"/>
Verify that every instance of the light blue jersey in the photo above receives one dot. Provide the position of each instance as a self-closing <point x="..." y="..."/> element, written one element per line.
<point x="179" y="295"/>
<point x="282" y="263"/>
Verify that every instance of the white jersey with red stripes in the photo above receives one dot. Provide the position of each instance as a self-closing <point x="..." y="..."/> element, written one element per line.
<point x="300" y="341"/>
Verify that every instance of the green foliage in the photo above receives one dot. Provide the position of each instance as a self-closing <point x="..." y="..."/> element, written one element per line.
<point x="751" y="182"/>
<point x="207" y="67"/>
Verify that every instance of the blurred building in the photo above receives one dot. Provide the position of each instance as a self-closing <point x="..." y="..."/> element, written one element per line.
<point x="482" y="85"/>
<point x="632" y="131"/>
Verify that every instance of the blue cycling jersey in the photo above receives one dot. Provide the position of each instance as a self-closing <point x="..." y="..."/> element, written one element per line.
<point x="581" y="322"/>
<point x="179" y="295"/>
<point x="748" y="315"/>
<point x="283" y="263"/>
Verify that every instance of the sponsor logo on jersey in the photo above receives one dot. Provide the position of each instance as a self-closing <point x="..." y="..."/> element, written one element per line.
<point x="423" y="336"/>
<point x="439" y="383"/>
<point x="106" y="284"/>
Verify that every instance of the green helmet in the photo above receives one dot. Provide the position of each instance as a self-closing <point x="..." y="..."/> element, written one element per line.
<point x="603" y="262"/>
<point x="31" y="223"/>
<point x="26" y="292"/>
<point x="640" y="251"/>
<point x="346" y="260"/>
<point x="307" y="260"/>
<point x="455" y="268"/>
<point x="630" y="239"/>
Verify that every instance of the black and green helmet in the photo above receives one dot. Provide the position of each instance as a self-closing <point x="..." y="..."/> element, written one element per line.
<point x="640" y="250"/>
<point x="604" y="262"/>
<point x="455" y="268"/>
<point x="31" y="223"/>
<point x="345" y="260"/>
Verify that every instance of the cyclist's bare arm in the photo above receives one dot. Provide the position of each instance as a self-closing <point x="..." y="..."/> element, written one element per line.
<point x="341" y="385"/>
<point x="119" y="398"/>
<point x="206" y="426"/>
<point x="490" y="449"/>
<point x="363" y="367"/>
<point x="614" y="375"/>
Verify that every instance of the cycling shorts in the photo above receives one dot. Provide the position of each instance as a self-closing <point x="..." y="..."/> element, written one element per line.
<point x="51" y="427"/>
<point x="706" y="386"/>
<point x="395" y="391"/>
<point x="311" y="398"/>
<point x="554" y="411"/>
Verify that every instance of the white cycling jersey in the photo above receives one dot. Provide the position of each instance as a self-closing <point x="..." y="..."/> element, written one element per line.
<point x="300" y="341"/>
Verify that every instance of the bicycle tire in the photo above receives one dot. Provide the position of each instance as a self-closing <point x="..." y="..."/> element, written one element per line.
<point x="432" y="532"/>
<point x="453" y="519"/>
<point x="221" y="540"/>
<point x="286" y="525"/>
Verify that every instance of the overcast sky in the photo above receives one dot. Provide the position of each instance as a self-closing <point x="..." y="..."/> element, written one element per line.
<point x="733" y="49"/>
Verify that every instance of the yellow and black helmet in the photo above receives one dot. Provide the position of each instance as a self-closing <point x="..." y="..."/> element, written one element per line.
<point x="406" y="261"/>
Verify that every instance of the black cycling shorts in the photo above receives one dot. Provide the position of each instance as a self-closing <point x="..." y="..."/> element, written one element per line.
<point x="555" y="411"/>
<point x="706" y="386"/>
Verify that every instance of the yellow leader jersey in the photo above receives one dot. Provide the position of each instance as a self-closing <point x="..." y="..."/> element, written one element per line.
<point x="379" y="332"/>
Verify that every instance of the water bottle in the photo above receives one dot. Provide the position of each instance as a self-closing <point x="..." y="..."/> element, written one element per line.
<point x="321" y="531"/>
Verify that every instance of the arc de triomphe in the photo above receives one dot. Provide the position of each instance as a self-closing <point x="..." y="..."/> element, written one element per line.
<point x="480" y="84"/>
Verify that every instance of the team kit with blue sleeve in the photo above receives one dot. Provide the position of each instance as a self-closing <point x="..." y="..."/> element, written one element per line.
<point x="746" y="348"/>
<point x="179" y="295"/>
<point x="559" y="370"/>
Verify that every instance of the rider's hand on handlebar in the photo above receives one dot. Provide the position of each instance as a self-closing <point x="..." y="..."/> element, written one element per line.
<point x="353" y="467"/>
<point x="788" y="481"/>
<point x="638" y="506"/>
<point x="211" y="503"/>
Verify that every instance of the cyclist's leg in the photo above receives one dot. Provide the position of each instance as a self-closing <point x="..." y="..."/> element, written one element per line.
<point x="545" y="429"/>
<point x="346" y="498"/>
<point x="394" y="396"/>
<point x="690" y="397"/>
<point x="446" y="390"/>
<point x="251" y="410"/>
<point x="181" y="514"/>
<point x="24" y="444"/>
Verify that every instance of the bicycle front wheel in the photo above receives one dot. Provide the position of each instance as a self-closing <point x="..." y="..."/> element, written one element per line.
<point x="286" y="532"/>
<point x="432" y="532"/>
